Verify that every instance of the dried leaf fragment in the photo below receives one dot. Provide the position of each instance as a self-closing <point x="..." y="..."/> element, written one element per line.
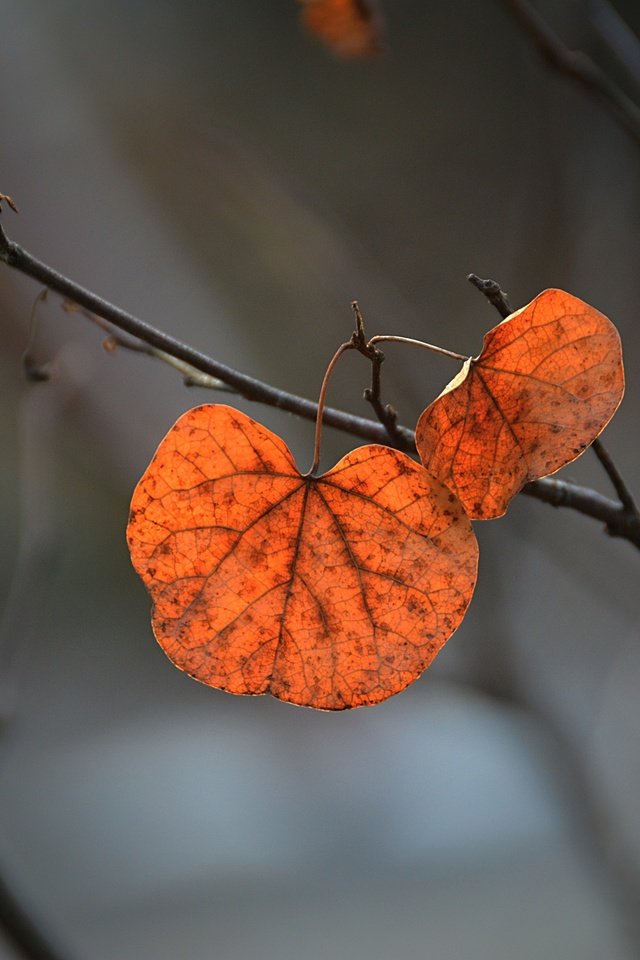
<point x="4" y="198"/>
<point x="351" y="29"/>
<point x="330" y="592"/>
<point x="548" y="380"/>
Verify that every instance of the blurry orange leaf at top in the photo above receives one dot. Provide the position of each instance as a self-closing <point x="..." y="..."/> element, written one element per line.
<point x="548" y="380"/>
<point x="329" y="592"/>
<point x="352" y="29"/>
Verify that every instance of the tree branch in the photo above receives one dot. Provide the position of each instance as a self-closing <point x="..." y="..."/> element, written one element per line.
<point x="249" y="387"/>
<point x="618" y="521"/>
<point x="577" y="65"/>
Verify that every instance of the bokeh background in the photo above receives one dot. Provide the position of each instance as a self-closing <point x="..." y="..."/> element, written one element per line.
<point x="207" y="166"/>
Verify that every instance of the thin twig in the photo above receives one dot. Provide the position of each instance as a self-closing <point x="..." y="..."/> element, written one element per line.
<point x="114" y="340"/>
<point x="618" y="521"/>
<point x="248" y="387"/>
<point x="386" y="414"/>
<point x="624" y="494"/>
<point x="577" y="65"/>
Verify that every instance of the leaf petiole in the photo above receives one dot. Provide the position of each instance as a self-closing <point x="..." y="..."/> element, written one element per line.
<point x="417" y="343"/>
<point x="368" y="349"/>
<point x="349" y="345"/>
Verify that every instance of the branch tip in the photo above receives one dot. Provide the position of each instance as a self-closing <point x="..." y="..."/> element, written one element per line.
<point x="359" y="337"/>
<point x="492" y="290"/>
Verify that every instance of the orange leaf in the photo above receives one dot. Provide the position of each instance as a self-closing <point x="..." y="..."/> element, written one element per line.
<point x="331" y="592"/>
<point x="547" y="382"/>
<point x="352" y="29"/>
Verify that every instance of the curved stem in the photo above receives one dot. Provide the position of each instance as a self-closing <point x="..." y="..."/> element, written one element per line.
<point x="349" y="345"/>
<point x="418" y="343"/>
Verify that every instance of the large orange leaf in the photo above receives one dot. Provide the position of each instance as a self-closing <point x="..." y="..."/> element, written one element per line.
<point x="352" y="29"/>
<point x="332" y="592"/>
<point x="547" y="382"/>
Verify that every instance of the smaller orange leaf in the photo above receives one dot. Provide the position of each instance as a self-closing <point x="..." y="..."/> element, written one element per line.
<point x="548" y="380"/>
<point x="352" y="29"/>
<point x="329" y="592"/>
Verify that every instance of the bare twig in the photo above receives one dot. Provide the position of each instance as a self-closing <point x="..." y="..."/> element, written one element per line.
<point x="114" y="340"/>
<point x="618" y="521"/>
<point x="249" y="387"/>
<point x="619" y="485"/>
<point x="577" y="65"/>
<point x="494" y="294"/>
<point x="386" y="414"/>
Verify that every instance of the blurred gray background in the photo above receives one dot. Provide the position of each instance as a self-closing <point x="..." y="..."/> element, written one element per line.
<point x="212" y="169"/>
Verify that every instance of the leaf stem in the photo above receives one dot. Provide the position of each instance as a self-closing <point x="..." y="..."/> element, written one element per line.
<point x="349" y="345"/>
<point x="384" y="338"/>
